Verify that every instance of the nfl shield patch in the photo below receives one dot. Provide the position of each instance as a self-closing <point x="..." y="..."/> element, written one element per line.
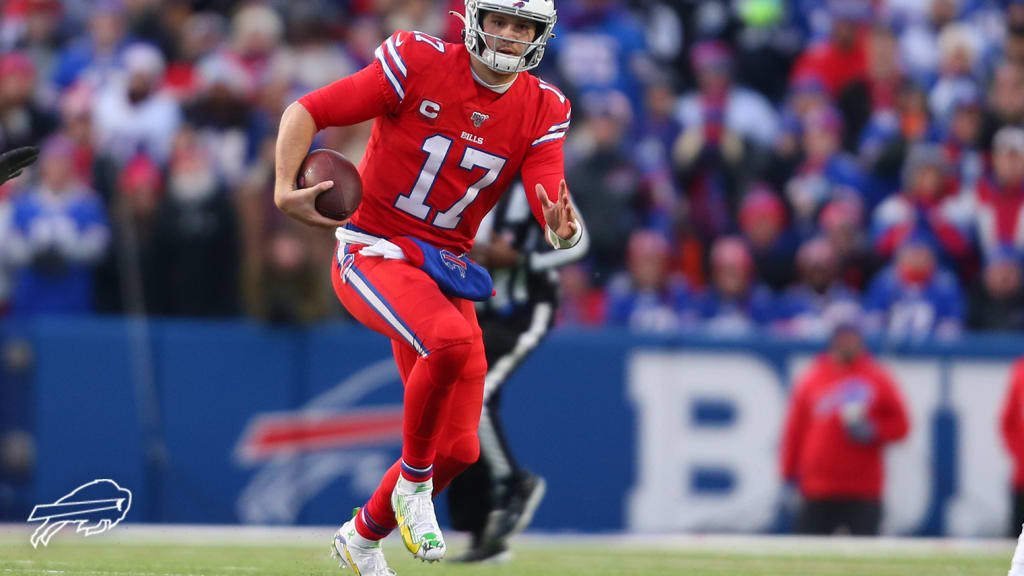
<point x="478" y="118"/>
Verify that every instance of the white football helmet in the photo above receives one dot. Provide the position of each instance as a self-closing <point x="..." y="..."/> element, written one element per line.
<point x="541" y="11"/>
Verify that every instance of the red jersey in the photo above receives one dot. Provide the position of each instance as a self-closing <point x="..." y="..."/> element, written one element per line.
<point x="1012" y="423"/>
<point x="817" y="451"/>
<point x="444" y="148"/>
<point x="837" y="69"/>
<point x="999" y="215"/>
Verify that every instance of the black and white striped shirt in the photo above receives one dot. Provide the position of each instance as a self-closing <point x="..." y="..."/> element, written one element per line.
<point x="534" y="279"/>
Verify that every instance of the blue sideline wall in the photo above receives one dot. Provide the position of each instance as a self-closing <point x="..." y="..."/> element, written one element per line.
<point x="237" y="422"/>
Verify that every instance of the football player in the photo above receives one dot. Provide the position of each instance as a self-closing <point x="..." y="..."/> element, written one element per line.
<point x="455" y="124"/>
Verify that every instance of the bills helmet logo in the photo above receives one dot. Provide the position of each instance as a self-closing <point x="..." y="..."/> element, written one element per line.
<point x="519" y="4"/>
<point x="95" y="507"/>
<point x="478" y="118"/>
<point x="453" y="263"/>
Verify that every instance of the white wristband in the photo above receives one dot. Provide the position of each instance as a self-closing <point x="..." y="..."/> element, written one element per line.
<point x="560" y="243"/>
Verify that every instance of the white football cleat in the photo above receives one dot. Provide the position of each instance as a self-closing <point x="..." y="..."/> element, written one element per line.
<point x="364" y="561"/>
<point x="414" y="512"/>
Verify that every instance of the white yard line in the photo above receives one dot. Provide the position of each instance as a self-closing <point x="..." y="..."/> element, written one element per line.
<point x="78" y="571"/>
<point x="262" y="536"/>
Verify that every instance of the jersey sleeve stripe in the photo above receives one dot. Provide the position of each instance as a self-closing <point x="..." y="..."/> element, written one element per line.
<point x="548" y="137"/>
<point x="544" y="86"/>
<point x="395" y="84"/>
<point x="390" y="43"/>
<point x="561" y="126"/>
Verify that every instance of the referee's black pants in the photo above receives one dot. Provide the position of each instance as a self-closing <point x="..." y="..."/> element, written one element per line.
<point x="1017" y="516"/>
<point x="832" y="516"/>
<point x="473" y="494"/>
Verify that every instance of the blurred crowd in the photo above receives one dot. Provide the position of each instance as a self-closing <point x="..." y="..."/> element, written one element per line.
<point x="741" y="165"/>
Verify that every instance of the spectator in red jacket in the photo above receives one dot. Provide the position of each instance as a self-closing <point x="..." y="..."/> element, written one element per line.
<point x="1013" y="437"/>
<point x="919" y="212"/>
<point x="842" y="59"/>
<point x="997" y="203"/>
<point x="842" y="413"/>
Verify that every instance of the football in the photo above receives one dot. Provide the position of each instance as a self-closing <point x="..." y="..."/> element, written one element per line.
<point x="340" y="201"/>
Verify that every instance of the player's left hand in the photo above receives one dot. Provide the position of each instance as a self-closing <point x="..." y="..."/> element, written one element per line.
<point x="559" y="216"/>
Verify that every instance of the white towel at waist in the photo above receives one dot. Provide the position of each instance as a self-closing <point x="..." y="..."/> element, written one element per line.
<point x="374" y="246"/>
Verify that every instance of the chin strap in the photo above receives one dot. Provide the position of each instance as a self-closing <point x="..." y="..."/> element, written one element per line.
<point x="460" y="16"/>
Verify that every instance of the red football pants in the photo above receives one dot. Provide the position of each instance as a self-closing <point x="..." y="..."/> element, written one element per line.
<point x="439" y="349"/>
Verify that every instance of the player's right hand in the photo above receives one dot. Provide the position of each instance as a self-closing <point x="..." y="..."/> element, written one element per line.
<point x="299" y="204"/>
<point x="559" y="216"/>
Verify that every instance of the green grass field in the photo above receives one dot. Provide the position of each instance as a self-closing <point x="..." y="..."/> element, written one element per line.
<point x="179" y="553"/>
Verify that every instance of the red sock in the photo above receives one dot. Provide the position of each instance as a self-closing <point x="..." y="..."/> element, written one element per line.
<point x="427" y="393"/>
<point x="379" y="519"/>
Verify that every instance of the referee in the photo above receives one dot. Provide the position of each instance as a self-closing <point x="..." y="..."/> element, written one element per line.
<point x="495" y="497"/>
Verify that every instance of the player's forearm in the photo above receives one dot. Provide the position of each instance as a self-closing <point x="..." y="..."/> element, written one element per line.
<point x="294" y="137"/>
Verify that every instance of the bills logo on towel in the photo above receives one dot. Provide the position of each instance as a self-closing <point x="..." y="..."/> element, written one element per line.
<point x="455" y="275"/>
<point x="453" y="263"/>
